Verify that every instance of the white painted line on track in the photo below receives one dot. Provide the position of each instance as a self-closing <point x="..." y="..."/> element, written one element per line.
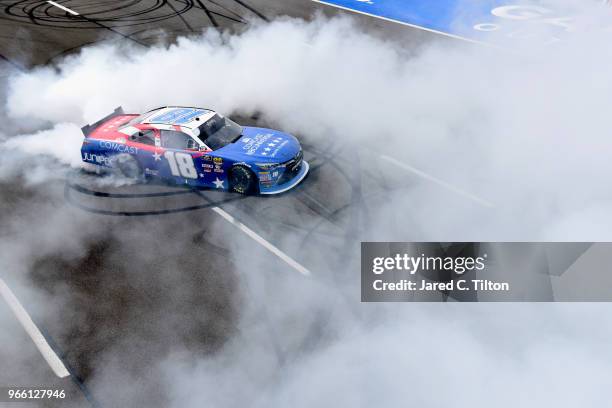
<point x="39" y="340"/>
<point x="391" y="20"/>
<point x="74" y="13"/>
<point x="437" y="181"/>
<point x="256" y="237"/>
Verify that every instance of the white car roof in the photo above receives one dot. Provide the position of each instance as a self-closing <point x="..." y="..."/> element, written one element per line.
<point x="186" y="117"/>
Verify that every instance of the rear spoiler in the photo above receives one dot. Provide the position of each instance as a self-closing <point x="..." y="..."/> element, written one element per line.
<point x="87" y="129"/>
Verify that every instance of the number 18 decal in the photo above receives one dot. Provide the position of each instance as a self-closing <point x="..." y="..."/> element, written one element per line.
<point x="181" y="164"/>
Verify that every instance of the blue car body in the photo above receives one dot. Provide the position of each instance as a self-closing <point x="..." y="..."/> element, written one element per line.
<point x="183" y="145"/>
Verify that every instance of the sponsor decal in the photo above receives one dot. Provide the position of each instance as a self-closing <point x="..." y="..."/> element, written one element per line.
<point x="207" y="166"/>
<point x="274" y="146"/>
<point x="266" y="177"/>
<point x="207" y="158"/>
<point x="152" y="172"/>
<point x="218" y="160"/>
<point x="118" y="147"/>
<point x="278" y="149"/>
<point x="251" y="145"/>
<point x="96" y="159"/>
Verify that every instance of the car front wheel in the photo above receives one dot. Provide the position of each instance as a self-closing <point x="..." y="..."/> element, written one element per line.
<point x="242" y="180"/>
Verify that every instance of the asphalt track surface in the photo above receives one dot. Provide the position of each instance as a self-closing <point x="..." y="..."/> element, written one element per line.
<point x="119" y="285"/>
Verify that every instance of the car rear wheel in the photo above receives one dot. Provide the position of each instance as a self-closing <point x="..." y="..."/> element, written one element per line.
<point x="242" y="180"/>
<point x="128" y="166"/>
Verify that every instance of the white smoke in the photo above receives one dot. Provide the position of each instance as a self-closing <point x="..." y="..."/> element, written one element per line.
<point x="61" y="142"/>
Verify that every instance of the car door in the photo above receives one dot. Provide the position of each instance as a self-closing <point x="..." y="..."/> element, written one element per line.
<point x="145" y="142"/>
<point x="179" y="152"/>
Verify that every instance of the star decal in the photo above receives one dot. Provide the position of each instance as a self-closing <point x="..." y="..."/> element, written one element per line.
<point x="218" y="183"/>
<point x="264" y="154"/>
<point x="271" y="144"/>
<point x="156" y="156"/>
<point x="267" y="149"/>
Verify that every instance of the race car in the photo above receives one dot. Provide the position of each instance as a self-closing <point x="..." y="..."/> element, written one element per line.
<point x="195" y="147"/>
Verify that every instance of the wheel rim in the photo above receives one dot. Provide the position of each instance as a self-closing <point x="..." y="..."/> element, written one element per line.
<point x="241" y="180"/>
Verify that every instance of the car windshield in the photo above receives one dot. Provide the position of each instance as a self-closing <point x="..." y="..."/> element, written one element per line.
<point x="219" y="131"/>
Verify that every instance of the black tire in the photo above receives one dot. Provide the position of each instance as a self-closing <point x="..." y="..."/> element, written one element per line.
<point x="128" y="166"/>
<point x="243" y="181"/>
